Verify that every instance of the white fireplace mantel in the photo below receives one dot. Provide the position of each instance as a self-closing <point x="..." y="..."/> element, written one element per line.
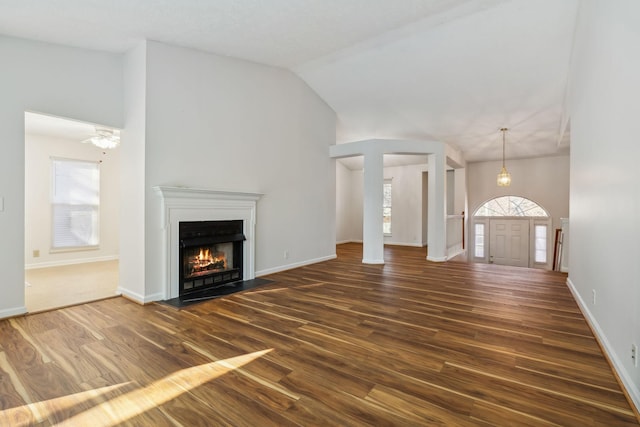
<point x="180" y="204"/>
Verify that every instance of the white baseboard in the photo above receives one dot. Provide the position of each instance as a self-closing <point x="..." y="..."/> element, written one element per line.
<point x="70" y="262"/>
<point x="436" y="259"/>
<point x="632" y="389"/>
<point x="140" y="299"/>
<point x="456" y="253"/>
<point x="372" y="261"/>
<point x="342" y="242"/>
<point x="294" y="265"/>
<point x="12" y="312"/>
<point x="413" y="245"/>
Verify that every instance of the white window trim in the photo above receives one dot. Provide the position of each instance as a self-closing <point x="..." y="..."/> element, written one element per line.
<point x="472" y="243"/>
<point x="548" y="222"/>
<point x="53" y="249"/>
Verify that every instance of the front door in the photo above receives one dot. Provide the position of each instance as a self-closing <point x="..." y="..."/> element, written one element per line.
<point x="509" y="242"/>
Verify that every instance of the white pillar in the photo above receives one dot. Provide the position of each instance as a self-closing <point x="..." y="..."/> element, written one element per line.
<point x="372" y="235"/>
<point x="437" y="219"/>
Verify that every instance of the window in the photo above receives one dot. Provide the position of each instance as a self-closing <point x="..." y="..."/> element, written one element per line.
<point x="541" y="243"/>
<point x="75" y="203"/>
<point x="479" y="240"/>
<point x="386" y="207"/>
<point x="511" y="206"/>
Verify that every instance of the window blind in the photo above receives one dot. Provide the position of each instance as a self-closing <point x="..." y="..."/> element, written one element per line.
<point x="75" y="202"/>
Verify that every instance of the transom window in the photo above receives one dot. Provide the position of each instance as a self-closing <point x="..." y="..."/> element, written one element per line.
<point x="511" y="206"/>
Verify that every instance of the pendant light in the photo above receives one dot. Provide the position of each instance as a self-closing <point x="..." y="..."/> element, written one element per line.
<point x="504" y="177"/>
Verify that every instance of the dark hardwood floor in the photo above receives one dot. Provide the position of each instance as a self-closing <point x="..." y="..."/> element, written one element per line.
<point x="336" y="343"/>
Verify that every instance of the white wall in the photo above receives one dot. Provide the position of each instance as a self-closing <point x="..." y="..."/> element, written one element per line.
<point x="66" y="82"/>
<point x="406" y="201"/>
<point x="344" y="201"/>
<point x="605" y="196"/>
<point x="38" y="152"/>
<point x="221" y="123"/>
<point x="460" y="191"/>
<point x="132" y="176"/>
<point x="357" y="205"/>
<point x="425" y="206"/>
<point x="451" y="192"/>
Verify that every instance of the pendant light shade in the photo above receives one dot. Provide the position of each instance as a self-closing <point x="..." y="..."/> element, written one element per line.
<point x="504" y="177"/>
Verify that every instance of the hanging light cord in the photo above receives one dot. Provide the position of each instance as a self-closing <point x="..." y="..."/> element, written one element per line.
<point x="504" y="130"/>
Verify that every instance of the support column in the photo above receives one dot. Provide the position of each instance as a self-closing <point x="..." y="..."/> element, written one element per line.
<point x="437" y="219"/>
<point x="372" y="235"/>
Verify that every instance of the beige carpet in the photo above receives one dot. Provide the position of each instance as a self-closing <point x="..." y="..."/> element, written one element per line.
<point x="54" y="287"/>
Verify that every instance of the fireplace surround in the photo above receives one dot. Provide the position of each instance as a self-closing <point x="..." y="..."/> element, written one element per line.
<point x="195" y="205"/>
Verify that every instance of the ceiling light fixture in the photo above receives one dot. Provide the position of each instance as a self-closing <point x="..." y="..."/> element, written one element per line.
<point x="104" y="138"/>
<point x="504" y="177"/>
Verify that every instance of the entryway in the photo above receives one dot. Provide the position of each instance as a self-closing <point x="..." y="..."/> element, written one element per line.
<point x="511" y="230"/>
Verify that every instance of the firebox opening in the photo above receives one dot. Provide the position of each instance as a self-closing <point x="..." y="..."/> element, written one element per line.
<point x="201" y="261"/>
<point x="211" y="254"/>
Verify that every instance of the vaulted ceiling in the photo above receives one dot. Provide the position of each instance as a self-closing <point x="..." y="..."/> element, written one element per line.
<point x="450" y="70"/>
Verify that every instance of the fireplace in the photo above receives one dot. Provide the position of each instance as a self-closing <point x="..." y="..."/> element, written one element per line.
<point x="196" y="205"/>
<point x="210" y="255"/>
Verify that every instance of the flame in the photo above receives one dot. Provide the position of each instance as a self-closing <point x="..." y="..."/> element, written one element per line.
<point x="206" y="257"/>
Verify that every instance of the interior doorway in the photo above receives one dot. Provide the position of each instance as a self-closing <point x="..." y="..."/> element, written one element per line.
<point x="72" y="195"/>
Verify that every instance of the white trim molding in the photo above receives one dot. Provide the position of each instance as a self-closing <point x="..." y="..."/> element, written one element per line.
<point x="13" y="312"/>
<point x="294" y="265"/>
<point x="181" y="204"/>
<point x="412" y="245"/>
<point x="342" y="242"/>
<point x="140" y="299"/>
<point x="618" y="366"/>
<point x="71" y="262"/>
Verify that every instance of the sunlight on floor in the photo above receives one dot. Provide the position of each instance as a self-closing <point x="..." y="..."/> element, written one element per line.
<point x="121" y="408"/>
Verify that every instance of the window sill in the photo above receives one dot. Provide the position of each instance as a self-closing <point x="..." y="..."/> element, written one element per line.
<point x="73" y="249"/>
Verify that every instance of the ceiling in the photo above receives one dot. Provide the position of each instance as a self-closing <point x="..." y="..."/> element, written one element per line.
<point x="59" y="128"/>
<point x="449" y="70"/>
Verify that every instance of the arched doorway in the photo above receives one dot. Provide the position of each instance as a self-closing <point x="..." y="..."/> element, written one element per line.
<point x="511" y="230"/>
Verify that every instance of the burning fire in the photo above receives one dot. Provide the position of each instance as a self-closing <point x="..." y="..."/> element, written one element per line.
<point x="208" y="260"/>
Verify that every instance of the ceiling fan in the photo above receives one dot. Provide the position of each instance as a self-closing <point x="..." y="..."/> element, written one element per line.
<point x="104" y="138"/>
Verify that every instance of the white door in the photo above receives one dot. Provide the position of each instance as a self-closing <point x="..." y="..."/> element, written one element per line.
<point x="509" y="242"/>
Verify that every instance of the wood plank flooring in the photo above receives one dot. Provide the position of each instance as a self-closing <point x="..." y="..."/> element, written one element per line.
<point x="410" y="343"/>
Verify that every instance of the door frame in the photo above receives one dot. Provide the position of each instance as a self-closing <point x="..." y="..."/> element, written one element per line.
<point x="533" y="221"/>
